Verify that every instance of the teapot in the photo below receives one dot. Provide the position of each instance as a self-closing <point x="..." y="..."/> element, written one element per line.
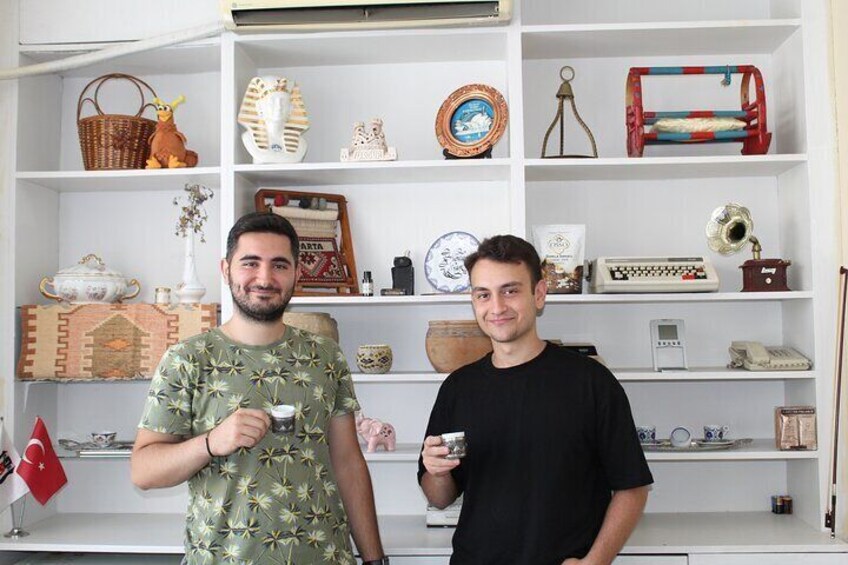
<point x="89" y="282"/>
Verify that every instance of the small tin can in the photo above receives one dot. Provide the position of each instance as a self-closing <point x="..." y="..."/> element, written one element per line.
<point x="781" y="504"/>
<point x="162" y="295"/>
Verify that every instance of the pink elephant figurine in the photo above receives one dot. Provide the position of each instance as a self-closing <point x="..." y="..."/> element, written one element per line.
<point x="375" y="433"/>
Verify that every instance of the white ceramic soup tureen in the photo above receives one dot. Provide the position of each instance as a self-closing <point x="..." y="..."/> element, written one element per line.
<point x="89" y="282"/>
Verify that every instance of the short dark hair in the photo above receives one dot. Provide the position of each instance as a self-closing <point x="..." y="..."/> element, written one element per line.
<point x="262" y="222"/>
<point x="507" y="249"/>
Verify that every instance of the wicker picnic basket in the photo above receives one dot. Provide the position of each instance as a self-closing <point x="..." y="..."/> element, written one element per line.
<point x="114" y="141"/>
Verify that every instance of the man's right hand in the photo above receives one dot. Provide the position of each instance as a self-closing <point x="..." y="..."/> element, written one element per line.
<point x="243" y="428"/>
<point x="433" y="456"/>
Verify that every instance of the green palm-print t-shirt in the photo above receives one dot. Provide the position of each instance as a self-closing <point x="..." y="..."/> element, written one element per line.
<point x="276" y="502"/>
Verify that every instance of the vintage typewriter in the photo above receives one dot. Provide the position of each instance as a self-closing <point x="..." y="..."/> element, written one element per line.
<point x="652" y="274"/>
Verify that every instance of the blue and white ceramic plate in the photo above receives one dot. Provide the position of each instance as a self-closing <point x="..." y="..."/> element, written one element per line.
<point x="444" y="266"/>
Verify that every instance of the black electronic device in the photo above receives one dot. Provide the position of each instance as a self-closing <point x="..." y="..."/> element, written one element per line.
<point x="403" y="275"/>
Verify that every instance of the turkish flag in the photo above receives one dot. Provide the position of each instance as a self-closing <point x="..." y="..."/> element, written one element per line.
<point x="39" y="467"/>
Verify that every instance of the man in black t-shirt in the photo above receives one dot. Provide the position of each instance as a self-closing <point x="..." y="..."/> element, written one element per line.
<point x="554" y="472"/>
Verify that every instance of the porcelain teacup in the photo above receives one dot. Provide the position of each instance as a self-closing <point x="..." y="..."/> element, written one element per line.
<point x="715" y="433"/>
<point x="680" y="437"/>
<point x="647" y="434"/>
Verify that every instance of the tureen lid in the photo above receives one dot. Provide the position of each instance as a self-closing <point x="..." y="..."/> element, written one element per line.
<point x="90" y="266"/>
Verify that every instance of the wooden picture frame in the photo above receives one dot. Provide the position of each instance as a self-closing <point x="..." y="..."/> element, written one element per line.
<point x="346" y="281"/>
<point x="471" y="121"/>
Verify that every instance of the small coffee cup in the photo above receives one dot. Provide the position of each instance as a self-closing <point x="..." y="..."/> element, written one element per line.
<point x="715" y="433"/>
<point x="455" y="442"/>
<point x="647" y="434"/>
<point x="680" y="437"/>
<point x="103" y="439"/>
<point x="282" y="419"/>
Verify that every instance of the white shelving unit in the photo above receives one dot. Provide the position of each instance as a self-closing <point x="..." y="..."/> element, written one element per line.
<point x="703" y="504"/>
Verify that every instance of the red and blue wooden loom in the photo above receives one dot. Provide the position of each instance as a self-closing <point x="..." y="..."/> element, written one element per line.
<point x="755" y="137"/>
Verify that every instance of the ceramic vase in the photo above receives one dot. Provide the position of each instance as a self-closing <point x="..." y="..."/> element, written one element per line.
<point x="190" y="290"/>
<point x="453" y="343"/>
<point x="319" y="323"/>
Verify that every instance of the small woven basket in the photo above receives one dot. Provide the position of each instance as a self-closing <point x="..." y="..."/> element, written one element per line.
<point x="114" y="141"/>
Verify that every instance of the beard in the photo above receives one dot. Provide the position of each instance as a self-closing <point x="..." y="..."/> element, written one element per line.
<point x="263" y="311"/>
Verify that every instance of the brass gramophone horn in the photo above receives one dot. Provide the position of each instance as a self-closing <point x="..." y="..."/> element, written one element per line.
<point x="730" y="228"/>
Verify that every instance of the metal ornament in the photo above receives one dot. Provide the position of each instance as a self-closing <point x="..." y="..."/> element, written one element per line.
<point x="566" y="93"/>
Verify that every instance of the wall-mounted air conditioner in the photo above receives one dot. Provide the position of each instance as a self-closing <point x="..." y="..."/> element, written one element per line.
<point x="297" y="15"/>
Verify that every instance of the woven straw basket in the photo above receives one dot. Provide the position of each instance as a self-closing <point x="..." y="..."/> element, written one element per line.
<point x="114" y="141"/>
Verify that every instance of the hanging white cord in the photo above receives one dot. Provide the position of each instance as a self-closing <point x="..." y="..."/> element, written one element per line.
<point x="76" y="61"/>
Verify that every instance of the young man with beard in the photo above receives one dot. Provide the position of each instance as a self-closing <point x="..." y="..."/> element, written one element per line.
<point x="256" y="496"/>
<point x="554" y="473"/>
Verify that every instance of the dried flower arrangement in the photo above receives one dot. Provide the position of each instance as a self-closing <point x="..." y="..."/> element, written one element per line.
<point x="193" y="214"/>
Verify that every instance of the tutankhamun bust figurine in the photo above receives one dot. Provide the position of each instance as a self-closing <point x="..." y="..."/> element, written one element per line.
<point x="274" y="118"/>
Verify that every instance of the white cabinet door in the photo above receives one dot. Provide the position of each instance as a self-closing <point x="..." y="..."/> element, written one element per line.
<point x="651" y="560"/>
<point x="770" y="559"/>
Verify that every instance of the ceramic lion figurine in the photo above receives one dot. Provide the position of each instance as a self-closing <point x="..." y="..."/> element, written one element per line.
<point x="274" y="117"/>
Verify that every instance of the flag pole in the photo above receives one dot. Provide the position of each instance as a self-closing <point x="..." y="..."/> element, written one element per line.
<point x="17" y="530"/>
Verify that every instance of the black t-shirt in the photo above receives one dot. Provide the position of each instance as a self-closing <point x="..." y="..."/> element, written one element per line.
<point x="547" y="442"/>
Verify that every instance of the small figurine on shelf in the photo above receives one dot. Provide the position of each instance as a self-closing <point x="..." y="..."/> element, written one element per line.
<point x="192" y="218"/>
<point x="375" y="433"/>
<point x="368" y="146"/>
<point x="167" y="144"/>
<point x="274" y="117"/>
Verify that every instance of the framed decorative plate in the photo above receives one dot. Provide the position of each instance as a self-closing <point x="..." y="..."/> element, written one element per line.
<point x="444" y="265"/>
<point x="471" y="120"/>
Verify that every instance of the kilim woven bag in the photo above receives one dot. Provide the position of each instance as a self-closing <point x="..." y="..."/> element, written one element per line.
<point x="114" y="141"/>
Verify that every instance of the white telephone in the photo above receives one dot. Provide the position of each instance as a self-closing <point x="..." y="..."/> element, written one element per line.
<point x="752" y="355"/>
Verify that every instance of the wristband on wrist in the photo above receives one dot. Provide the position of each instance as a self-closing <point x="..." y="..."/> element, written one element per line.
<point x="208" y="449"/>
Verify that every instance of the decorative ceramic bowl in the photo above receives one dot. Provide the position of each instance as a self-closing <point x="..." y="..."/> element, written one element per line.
<point x="89" y="282"/>
<point x="103" y="439"/>
<point x="374" y="359"/>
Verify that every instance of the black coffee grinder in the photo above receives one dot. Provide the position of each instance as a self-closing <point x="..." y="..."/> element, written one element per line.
<point x="403" y="275"/>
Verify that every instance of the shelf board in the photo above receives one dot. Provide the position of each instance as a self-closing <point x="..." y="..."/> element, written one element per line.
<point x="758" y="450"/>
<point x="379" y="172"/>
<point x="357" y="300"/>
<point x="638" y="374"/>
<point x="698" y="374"/>
<point x="407" y="535"/>
<point x="128" y="180"/>
<point x="660" y="168"/>
<point x="203" y="56"/>
<point x="640" y="40"/>
<point x="708" y="374"/>
<point x="677" y="297"/>
<point x="554" y="299"/>
<point x="379" y="47"/>
<point x="400" y="377"/>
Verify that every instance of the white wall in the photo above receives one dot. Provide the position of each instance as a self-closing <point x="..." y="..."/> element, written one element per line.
<point x="83" y="21"/>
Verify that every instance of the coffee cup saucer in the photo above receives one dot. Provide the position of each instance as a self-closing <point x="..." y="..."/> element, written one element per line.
<point x="713" y="442"/>
<point x="651" y="442"/>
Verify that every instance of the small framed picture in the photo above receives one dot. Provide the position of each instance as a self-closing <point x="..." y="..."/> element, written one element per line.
<point x="471" y="121"/>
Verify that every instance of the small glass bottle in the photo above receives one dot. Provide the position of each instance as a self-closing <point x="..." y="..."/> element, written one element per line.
<point x="367" y="284"/>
